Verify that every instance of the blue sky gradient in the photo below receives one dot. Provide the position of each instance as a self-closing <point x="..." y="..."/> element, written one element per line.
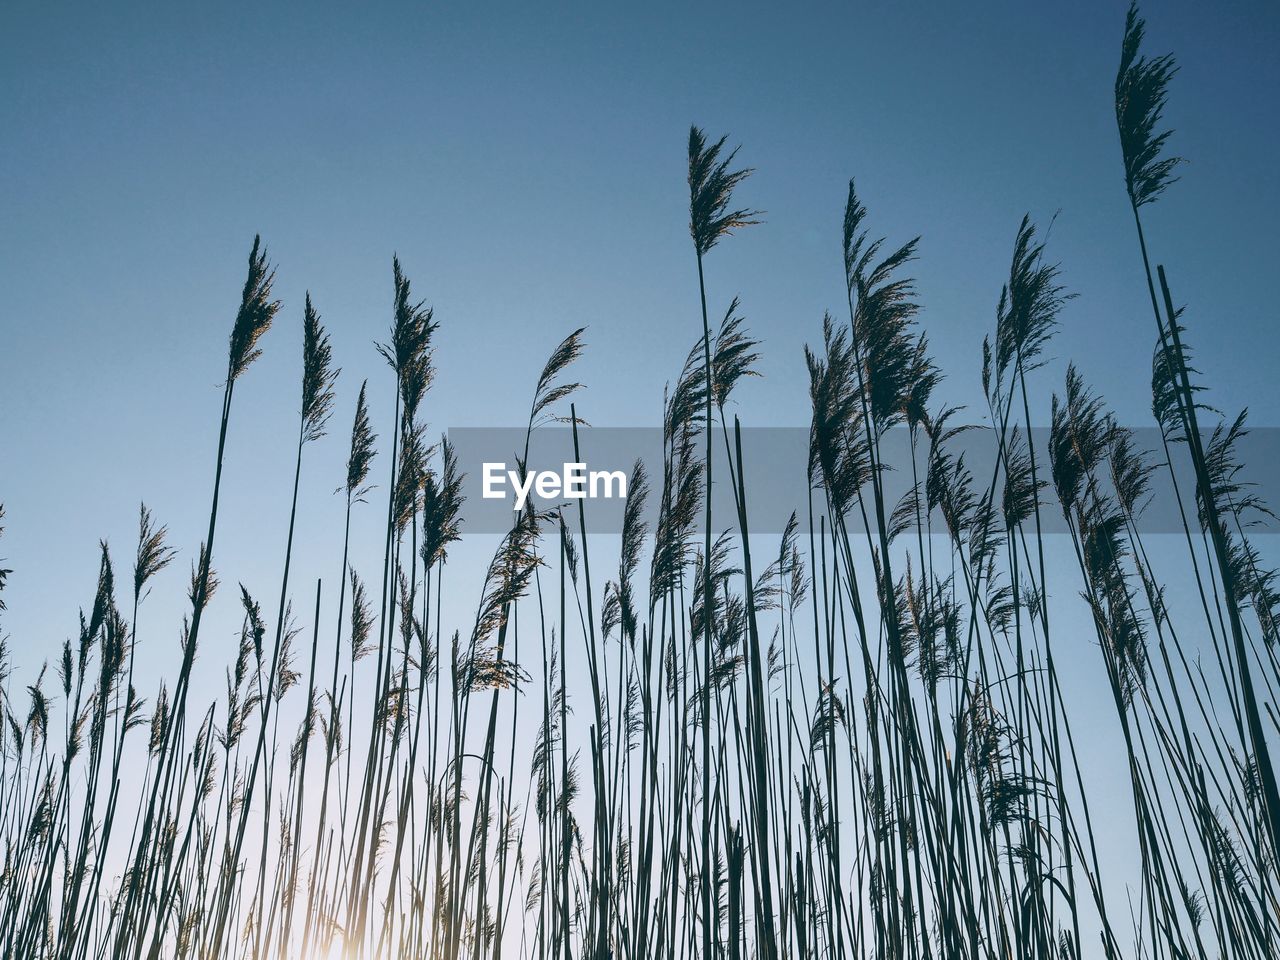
<point x="529" y="170"/>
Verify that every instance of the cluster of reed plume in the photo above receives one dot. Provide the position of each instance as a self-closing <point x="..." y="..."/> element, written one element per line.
<point x="855" y="744"/>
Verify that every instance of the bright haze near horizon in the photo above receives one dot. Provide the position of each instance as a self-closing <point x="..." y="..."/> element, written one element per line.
<point x="528" y="168"/>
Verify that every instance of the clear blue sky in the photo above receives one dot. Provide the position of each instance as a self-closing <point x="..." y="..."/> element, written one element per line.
<point x="528" y="167"/>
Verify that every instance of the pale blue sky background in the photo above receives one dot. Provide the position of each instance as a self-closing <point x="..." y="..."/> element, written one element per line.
<point x="528" y="166"/>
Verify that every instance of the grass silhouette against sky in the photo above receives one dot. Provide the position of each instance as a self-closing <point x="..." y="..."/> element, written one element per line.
<point x="528" y="172"/>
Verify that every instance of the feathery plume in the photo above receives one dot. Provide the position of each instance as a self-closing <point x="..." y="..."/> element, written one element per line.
<point x="153" y="555"/>
<point x="361" y="618"/>
<point x="733" y="356"/>
<point x="1142" y="89"/>
<point x="4" y="571"/>
<point x="1029" y="304"/>
<point x="711" y="185"/>
<point x="362" y="439"/>
<point x="548" y="391"/>
<point x="318" y="374"/>
<point x="442" y="500"/>
<point x="884" y="311"/>
<point x="409" y="352"/>
<point x="257" y="310"/>
<point x="633" y="533"/>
